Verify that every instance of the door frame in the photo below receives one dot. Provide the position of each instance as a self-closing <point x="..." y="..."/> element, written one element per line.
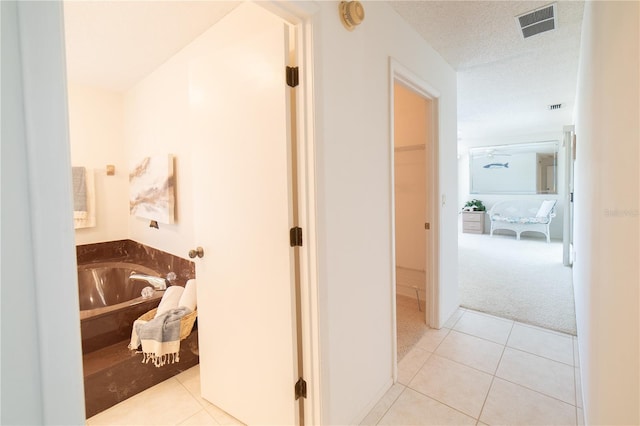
<point x="567" y="226"/>
<point x="401" y="74"/>
<point x="46" y="93"/>
<point x="300" y="16"/>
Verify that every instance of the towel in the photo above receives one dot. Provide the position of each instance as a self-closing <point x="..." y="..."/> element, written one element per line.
<point x="79" y="175"/>
<point x="189" y="296"/>
<point x="83" y="199"/>
<point x="169" y="300"/>
<point x="160" y="337"/>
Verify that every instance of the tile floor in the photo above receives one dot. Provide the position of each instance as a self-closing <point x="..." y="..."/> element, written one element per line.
<point x="477" y="370"/>
<point x="485" y="370"/>
<point x="175" y="401"/>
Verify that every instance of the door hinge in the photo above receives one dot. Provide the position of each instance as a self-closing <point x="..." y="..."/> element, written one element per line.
<point x="301" y="389"/>
<point x="295" y="237"/>
<point x="292" y="76"/>
<point x="427" y="225"/>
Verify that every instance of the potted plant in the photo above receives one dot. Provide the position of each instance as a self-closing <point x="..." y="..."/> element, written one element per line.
<point x="474" y="205"/>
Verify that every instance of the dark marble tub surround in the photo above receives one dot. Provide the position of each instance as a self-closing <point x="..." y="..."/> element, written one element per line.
<point x="116" y="373"/>
<point x="113" y="372"/>
<point x="105" y="330"/>
<point x="134" y="252"/>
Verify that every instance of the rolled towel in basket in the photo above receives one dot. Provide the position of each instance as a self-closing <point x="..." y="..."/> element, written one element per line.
<point x="169" y="300"/>
<point x="189" y="298"/>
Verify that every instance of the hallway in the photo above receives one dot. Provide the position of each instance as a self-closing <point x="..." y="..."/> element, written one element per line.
<point x="477" y="370"/>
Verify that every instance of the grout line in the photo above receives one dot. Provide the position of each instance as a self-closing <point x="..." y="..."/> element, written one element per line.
<point x="459" y="363"/>
<point x="482" y="338"/>
<point x="546" y="330"/>
<point x="541" y="356"/>
<point x="484" y="403"/>
<point x="443" y="403"/>
<point x="493" y="377"/>
<point x="536" y="391"/>
<point x="392" y="402"/>
<point x="421" y="366"/>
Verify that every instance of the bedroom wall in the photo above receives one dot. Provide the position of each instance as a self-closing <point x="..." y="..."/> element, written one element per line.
<point x="607" y="225"/>
<point x="352" y="88"/>
<point x="96" y="137"/>
<point x="490" y="199"/>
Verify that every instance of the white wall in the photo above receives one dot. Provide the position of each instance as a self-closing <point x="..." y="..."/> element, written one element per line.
<point x="157" y="121"/>
<point x="607" y="186"/>
<point x="41" y="351"/>
<point x="489" y="200"/>
<point x="96" y="135"/>
<point x="354" y="198"/>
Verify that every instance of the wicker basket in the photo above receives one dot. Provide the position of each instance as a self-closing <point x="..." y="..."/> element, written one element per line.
<point x="186" y="322"/>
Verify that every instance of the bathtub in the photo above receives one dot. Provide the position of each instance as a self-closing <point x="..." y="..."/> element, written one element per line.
<point x="110" y="302"/>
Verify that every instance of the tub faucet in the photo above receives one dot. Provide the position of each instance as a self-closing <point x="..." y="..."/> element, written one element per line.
<point x="158" y="283"/>
<point x="171" y="278"/>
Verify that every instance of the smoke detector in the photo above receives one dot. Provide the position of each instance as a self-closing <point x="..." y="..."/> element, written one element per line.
<point x="537" y="21"/>
<point x="351" y="14"/>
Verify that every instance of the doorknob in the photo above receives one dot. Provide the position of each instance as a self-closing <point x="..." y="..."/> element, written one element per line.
<point x="199" y="251"/>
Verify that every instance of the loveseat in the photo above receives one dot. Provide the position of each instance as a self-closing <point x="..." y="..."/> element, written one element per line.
<point x="523" y="215"/>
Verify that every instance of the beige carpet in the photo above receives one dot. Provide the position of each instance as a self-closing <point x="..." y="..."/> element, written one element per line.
<point x="410" y="322"/>
<point x="520" y="280"/>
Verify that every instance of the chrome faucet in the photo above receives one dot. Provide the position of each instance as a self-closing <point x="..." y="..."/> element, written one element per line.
<point x="158" y="283"/>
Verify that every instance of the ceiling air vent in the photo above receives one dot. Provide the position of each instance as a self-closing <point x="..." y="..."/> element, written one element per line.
<point x="554" y="107"/>
<point x="537" y="21"/>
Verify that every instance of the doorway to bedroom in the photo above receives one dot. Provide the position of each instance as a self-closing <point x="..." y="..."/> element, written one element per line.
<point x="513" y="258"/>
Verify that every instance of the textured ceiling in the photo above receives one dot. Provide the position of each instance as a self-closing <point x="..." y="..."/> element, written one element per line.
<point x="505" y="82"/>
<point x="113" y="44"/>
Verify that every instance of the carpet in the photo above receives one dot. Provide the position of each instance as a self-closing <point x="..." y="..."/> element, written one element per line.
<point x="520" y="280"/>
<point x="410" y="322"/>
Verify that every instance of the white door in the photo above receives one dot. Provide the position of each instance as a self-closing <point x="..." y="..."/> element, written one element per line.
<point x="246" y="301"/>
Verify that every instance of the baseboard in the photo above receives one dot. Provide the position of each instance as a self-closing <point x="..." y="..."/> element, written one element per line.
<point x="410" y="291"/>
<point x="378" y="396"/>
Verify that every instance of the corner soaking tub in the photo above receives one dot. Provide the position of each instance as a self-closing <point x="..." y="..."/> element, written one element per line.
<point x="110" y="302"/>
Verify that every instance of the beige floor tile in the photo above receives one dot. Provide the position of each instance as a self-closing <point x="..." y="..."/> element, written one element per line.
<point x="454" y="318"/>
<point x="453" y="384"/>
<point x="484" y="326"/>
<point x="411" y="363"/>
<point x="201" y="418"/>
<point x="431" y="339"/>
<point x="380" y="409"/>
<point x="510" y="404"/>
<point x="412" y="408"/>
<point x="472" y="351"/>
<point x="552" y="378"/>
<point x="190" y="379"/>
<point x="167" y="403"/>
<point x="538" y="341"/>
<point x="222" y="417"/>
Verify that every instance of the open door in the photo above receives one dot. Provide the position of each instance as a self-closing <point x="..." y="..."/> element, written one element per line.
<point x="246" y="297"/>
